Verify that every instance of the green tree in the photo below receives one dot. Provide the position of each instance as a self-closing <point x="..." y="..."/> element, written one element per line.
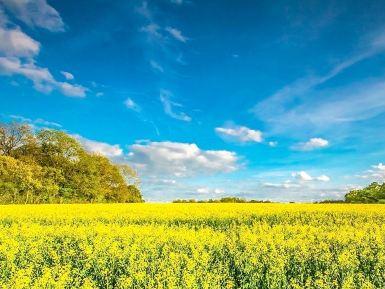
<point x="51" y="166"/>
<point x="374" y="193"/>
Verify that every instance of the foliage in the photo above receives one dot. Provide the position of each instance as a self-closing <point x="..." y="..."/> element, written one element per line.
<point x="50" y="166"/>
<point x="173" y="246"/>
<point x="374" y="193"/>
<point x="222" y="200"/>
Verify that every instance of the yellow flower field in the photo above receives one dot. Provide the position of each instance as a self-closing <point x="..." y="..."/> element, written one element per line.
<point x="205" y="246"/>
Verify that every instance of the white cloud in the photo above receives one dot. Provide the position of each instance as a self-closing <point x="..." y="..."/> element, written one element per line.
<point x="177" y="34"/>
<point x="14" y="42"/>
<point x="105" y="149"/>
<point x="303" y="176"/>
<point x="273" y="143"/>
<point x="169" y="105"/>
<point x="156" y="66"/>
<point x="323" y="178"/>
<point x="180" y="159"/>
<point x="35" y="13"/>
<point x="285" y="185"/>
<point x="240" y="134"/>
<point x="210" y="191"/>
<point x="67" y="75"/>
<point x="41" y="77"/>
<point x="130" y="104"/>
<point x="18" y="50"/>
<point x="376" y="173"/>
<point x="311" y="144"/>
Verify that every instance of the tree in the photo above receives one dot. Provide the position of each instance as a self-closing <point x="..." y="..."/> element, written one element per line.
<point x="13" y="136"/>
<point x="51" y="166"/>
<point x="374" y="193"/>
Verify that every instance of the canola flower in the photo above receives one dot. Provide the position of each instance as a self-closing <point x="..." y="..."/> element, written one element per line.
<point x="205" y="246"/>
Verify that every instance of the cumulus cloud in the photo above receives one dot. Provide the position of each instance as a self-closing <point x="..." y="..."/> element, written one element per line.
<point x="240" y="134"/>
<point x="177" y="34"/>
<point x="311" y="144"/>
<point x="42" y="79"/>
<point x="18" y="51"/>
<point x="169" y="106"/>
<point x="15" y="43"/>
<point x="35" y="13"/>
<point x="130" y="104"/>
<point x="305" y="177"/>
<point x="105" y="149"/>
<point x="180" y="159"/>
<point x="67" y="75"/>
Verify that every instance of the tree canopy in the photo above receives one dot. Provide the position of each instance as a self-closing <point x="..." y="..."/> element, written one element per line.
<point x="50" y="166"/>
<point x="374" y="193"/>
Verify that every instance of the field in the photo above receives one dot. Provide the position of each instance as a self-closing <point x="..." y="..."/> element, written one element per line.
<point x="204" y="246"/>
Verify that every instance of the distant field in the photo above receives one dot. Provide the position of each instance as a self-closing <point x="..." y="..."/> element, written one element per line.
<point x="192" y="246"/>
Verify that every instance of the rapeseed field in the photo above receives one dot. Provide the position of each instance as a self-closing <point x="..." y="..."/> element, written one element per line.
<point x="205" y="246"/>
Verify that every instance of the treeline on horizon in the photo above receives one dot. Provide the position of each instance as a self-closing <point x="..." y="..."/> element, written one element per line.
<point x="372" y="194"/>
<point x="50" y="166"/>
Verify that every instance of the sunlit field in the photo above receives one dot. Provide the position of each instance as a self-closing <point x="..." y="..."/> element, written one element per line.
<point x="192" y="246"/>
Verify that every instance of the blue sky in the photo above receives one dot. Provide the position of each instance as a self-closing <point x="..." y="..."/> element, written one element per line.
<point x="206" y="99"/>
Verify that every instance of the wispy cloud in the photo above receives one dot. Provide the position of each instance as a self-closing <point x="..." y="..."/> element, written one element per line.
<point x="177" y="34"/>
<point x="36" y="123"/>
<point x="375" y="173"/>
<point x="169" y="106"/>
<point x="296" y="98"/>
<point x="131" y="104"/>
<point x="152" y="30"/>
<point x="156" y="66"/>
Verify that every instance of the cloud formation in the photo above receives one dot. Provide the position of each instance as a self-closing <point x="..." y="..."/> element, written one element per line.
<point x="42" y="78"/>
<point x="104" y="149"/>
<point x="376" y="173"/>
<point x="311" y="144"/>
<point x="305" y="177"/>
<point x="15" y="43"/>
<point x="35" y="13"/>
<point x="67" y="75"/>
<point x="240" y="134"/>
<point x="177" y="34"/>
<point x="180" y="159"/>
<point x="298" y="104"/>
<point x="130" y="104"/>
<point x="169" y="106"/>
<point x="18" y="51"/>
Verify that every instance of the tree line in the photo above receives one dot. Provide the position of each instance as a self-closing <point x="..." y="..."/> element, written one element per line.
<point x="50" y="166"/>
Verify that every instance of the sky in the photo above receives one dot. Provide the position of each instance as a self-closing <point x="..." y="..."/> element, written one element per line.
<point x="280" y="101"/>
